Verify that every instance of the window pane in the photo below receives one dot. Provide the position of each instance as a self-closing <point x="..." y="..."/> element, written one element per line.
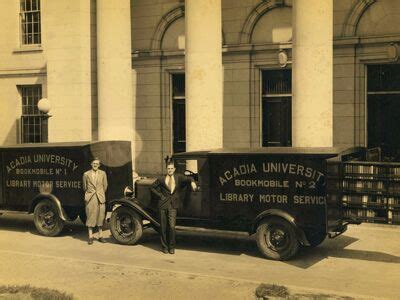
<point x="277" y="82"/>
<point x="32" y="125"/>
<point x="30" y="22"/>
<point x="276" y="109"/>
<point x="383" y="78"/>
<point x="178" y="85"/>
<point x="36" y="39"/>
<point x="178" y="113"/>
<point x="383" y="117"/>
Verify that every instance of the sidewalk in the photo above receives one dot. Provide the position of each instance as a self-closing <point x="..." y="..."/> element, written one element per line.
<point x="363" y="263"/>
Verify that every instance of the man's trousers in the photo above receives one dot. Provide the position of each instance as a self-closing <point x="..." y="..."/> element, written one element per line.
<point x="167" y="222"/>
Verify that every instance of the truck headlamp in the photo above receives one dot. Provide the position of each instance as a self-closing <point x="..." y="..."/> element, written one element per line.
<point x="128" y="191"/>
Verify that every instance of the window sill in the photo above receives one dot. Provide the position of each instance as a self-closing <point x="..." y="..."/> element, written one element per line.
<point x="28" y="48"/>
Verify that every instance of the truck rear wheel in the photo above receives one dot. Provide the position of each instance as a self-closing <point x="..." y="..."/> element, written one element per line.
<point x="276" y="239"/>
<point x="47" y="219"/>
<point x="126" y="225"/>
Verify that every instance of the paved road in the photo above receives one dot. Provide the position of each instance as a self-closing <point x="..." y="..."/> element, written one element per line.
<point x="363" y="263"/>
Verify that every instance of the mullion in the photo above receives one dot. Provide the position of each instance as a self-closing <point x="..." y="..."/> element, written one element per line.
<point x="30" y="23"/>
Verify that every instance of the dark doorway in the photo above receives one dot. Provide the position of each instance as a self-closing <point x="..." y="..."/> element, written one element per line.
<point x="178" y="113"/>
<point x="276" y="108"/>
<point x="383" y="107"/>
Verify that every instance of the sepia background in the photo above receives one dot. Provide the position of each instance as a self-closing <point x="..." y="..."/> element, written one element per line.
<point x="182" y="75"/>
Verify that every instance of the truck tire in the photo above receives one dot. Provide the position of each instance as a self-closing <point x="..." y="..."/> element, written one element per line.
<point x="47" y="219"/>
<point x="315" y="238"/>
<point x="276" y="239"/>
<point x="126" y="225"/>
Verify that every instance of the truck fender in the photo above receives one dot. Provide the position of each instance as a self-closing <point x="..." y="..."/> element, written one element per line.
<point x="130" y="202"/>
<point x="53" y="199"/>
<point x="284" y="215"/>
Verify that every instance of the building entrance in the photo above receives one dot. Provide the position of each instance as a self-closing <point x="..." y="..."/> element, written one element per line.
<point x="383" y="108"/>
<point x="178" y="113"/>
<point x="276" y="108"/>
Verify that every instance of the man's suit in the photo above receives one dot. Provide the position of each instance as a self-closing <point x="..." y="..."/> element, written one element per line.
<point x="168" y="203"/>
<point x="95" y="187"/>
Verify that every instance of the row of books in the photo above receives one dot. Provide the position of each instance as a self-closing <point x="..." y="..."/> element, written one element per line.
<point x="393" y="188"/>
<point x="393" y="201"/>
<point x="365" y="169"/>
<point x="360" y="213"/>
<point x="394" y="216"/>
<point x="364" y="199"/>
<point x="363" y="184"/>
<point x="371" y="169"/>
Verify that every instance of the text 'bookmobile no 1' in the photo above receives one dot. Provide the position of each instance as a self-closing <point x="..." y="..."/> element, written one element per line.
<point x="280" y="194"/>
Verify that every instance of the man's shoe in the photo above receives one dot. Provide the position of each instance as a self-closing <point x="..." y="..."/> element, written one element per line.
<point x="172" y="251"/>
<point x="90" y="241"/>
<point x="101" y="240"/>
<point x="165" y="250"/>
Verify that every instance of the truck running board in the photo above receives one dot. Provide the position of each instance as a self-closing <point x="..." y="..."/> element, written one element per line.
<point x="344" y="227"/>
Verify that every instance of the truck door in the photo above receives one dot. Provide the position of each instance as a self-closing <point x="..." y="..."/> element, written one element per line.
<point x="195" y="203"/>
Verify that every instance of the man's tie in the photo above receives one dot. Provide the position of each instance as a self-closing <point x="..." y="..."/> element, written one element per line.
<point x="170" y="183"/>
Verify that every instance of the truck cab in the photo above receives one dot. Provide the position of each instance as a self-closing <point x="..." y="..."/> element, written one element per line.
<point x="279" y="194"/>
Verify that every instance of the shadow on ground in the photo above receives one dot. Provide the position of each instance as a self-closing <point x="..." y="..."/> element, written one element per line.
<point x="230" y="244"/>
<point x="24" y="223"/>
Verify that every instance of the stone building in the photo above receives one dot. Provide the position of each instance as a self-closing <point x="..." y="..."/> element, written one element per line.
<point x="174" y="75"/>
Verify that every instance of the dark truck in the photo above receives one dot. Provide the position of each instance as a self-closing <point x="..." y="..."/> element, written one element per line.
<point x="46" y="179"/>
<point x="278" y="193"/>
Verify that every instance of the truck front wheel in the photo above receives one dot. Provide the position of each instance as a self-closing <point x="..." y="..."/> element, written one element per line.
<point x="47" y="219"/>
<point x="276" y="239"/>
<point x="126" y="225"/>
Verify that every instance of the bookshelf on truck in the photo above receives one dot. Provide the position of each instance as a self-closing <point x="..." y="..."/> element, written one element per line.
<point x="369" y="188"/>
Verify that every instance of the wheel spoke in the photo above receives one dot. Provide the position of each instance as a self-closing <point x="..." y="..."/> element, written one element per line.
<point x="125" y="225"/>
<point x="276" y="238"/>
<point x="47" y="217"/>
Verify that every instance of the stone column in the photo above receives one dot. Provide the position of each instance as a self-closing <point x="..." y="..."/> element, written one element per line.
<point x="114" y="71"/>
<point x="203" y="74"/>
<point x="312" y="73"/>
<point x="68" y="51"/>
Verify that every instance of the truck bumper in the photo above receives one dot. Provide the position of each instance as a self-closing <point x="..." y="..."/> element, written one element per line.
<point x="339" y="230"/>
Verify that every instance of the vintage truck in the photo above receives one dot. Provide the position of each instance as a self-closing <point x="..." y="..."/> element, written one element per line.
<point x="46" y="179"/>
<point x="279" y="194"/>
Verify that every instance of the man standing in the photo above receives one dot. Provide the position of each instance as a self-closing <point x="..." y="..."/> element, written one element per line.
<point x="168" y="189"/>
<point x="95" y="187"/>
